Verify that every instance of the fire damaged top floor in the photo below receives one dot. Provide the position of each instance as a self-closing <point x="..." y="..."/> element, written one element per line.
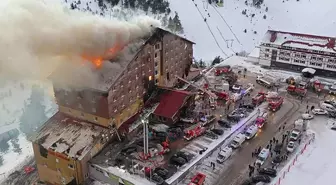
<point x="125" y="81"/>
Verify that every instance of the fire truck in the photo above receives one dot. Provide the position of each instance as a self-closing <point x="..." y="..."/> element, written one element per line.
<point x="259" y="98"/>
<point x="296" y="90"/>
<point x="198" y="179"/>
<point x="222" y="70"/>
<point x="275" y="103"/>
<point x="261" y="119"/>
<point x="194" y="131"/>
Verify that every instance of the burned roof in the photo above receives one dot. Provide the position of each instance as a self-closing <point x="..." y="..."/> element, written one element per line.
<point x="69" y="136"/>
<point x="113" y="69"/>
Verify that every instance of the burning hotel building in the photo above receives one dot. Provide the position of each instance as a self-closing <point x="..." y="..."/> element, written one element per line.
<point x="88" y="117"/>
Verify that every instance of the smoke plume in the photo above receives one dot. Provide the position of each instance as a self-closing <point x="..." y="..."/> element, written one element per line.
<point x="38" y="36"/>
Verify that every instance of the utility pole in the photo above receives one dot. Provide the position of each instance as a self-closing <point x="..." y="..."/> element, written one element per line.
<point x="145" y="132"/>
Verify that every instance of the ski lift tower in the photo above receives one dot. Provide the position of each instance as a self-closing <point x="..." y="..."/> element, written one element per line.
<point x="145" y="132"/>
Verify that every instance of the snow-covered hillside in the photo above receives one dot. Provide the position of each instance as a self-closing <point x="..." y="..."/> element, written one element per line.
<point x="306" y="16"/>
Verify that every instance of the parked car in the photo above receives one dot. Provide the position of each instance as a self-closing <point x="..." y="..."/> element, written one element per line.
<point x="211" y="135"/>
<point x="290" y="146"/>
<point x="178" y="161"/>
<point x="268" y="171"/>
<point x="319" y="111"/>
<point x="224" y="123"/>
<point x="307" y="116"/>
<point x="277" y="148"/>
<point x="128" y="150"/>
<point x="157" y="179"/>
<point x="161" y="172"/>
<point x="295" y="135"/>
<point x="248" y="106"/>
<point x="184" y="155"/>
<point x="332" y="114"/>
<point x="276" y="160"/>
<point x="261" y="178"/>
<point x="218" y="131"/>
<point x="237" y="114"/>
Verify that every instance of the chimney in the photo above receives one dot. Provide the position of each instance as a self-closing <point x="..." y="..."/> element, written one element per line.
<point x="273" y="36"/>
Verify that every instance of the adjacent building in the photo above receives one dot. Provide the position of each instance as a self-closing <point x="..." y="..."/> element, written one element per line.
<point x="296" y="51"/>
<point x="88" y="117"/>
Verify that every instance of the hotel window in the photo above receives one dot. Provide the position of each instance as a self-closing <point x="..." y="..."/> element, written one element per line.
<point x="156" y="81"/>
<point x="157" y="46"/>
<point x="303" y="56"/>
<point x="96" y="118"/>
<point x="320" y="59"/>
<point x="156" y="72"/>
<point x="267" y="50"/>
<point x="266" y="55"/>
<point x="156" y="64"/>
<point x="155" y="55"/>
<point x="319" y="64"/>
<point x="70" y="166"/>
<point x="313" y="58"/>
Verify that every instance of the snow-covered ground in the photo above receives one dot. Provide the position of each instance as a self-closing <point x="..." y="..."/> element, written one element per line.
<point x="13" y="98"/>
<point x="317" y="165"/>
<point x="288" y="15"/>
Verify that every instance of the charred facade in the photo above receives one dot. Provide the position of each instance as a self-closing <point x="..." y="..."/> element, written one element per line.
<point x="152" y="62"/>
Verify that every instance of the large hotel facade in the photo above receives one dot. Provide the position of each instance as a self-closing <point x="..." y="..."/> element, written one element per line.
<point x="88" y="118"/>
<point x="295" y="51"/>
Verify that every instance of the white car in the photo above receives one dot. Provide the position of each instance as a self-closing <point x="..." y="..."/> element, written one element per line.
<point x="307" y="116"/>
<point x="319" y="111"/>
<point x="295" y="135"/>
<point x="291" y="146"/>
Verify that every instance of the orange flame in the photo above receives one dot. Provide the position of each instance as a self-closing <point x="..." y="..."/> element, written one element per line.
<point x="111" y="53"/>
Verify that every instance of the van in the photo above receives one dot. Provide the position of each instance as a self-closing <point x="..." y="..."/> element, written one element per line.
<point x="251" y="132"/>
<point x="224" y="154"/>
<point x="238" y="140"/>
<point x="262" y="157"/>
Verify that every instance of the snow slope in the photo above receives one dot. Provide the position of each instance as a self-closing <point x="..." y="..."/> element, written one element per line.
<point x="306" y="16"/>
<point x="13" y="98"/>
<point x="317" y="165"/>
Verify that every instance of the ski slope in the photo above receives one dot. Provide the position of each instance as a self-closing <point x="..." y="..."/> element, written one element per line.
<point x="306" y="16"/>
<point x="317" y="165"/>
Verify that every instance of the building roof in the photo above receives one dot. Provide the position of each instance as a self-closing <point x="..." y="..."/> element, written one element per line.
<point x="112" y="69"/>
<point x="170" y="103"/>
<point x="69" y="136"/>
<point x="298" y="40"/>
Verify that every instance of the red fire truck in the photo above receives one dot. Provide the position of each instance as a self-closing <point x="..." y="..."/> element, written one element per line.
<point x="222" y="70"/>
<point x="275" y="103"/>
<point x="300" y="89"/>
<point x="194" y="131"/>
<point x="198" y="179"/>
<point x="259" y="98"/>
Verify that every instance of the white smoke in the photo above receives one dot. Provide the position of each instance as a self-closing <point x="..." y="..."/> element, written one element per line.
<point x="37" y="36"/>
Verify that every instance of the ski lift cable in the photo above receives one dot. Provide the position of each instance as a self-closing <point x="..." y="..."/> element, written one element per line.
<point x="226" y="41"/>
<point x="226" y="23"/>
<point x="209" y="29"/>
